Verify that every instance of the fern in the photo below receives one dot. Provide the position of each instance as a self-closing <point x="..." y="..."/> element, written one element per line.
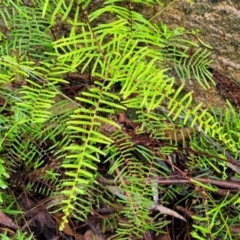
<point x="56" y="142"/>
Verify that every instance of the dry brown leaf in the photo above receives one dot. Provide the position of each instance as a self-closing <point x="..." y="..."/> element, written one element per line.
<point x="6" y="221"/>
<point x="121" y="118"/>
<point x="168" y="211"/>
<point x="109" y="128"/>
<point x="67" y="229"/>
<point x="89" y="235"/>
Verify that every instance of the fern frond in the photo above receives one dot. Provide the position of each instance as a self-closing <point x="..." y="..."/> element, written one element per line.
<point x="185" y="58"/>
<point x="28" y="35"/>
<point x="61" y="8"/>
<point x="80" y="163"/>
<point x="58" y="142"/>
<point x="139" y="195"/>
<point x="196" y="66"/>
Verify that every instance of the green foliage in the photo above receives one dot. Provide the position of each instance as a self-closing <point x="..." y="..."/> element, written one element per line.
<point x="55" y="142"/>
<point x="217" y="222"/>
<point x="19" y="236"/>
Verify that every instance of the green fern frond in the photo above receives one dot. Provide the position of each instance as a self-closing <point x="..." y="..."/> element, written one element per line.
<point x="37" y="101"/>
<point x="61" y="8"/>
<point x="131" y="168"/>
<point x="59" y="141"/>
<point x="28" y="36"/>
<point x="80" y="163"/>
<point x="214" y="219"/>
<point x="188" y="61"/>
<point x="231" y="124"/>
<point x="196" y="66"/>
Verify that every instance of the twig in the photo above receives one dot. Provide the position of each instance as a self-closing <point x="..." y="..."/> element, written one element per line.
<point x="221" y="183"/>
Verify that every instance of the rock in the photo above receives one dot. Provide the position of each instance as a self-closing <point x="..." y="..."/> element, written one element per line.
<point x="219" y="25"/>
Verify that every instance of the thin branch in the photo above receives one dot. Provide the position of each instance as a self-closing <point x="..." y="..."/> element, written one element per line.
<point x="220" y="183"/>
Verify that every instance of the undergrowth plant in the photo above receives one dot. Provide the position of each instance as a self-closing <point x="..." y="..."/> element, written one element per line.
<point x="127" y="127"/>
